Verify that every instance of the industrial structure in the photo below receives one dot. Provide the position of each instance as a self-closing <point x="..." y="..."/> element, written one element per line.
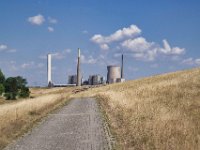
<point x="122" y="69"/>
<point x="95" y="80"/>
<point x="116" y="73"/>
<point x="78" y="68"/>
<point x="49" y="81"/>
<point x="72" y="79"/>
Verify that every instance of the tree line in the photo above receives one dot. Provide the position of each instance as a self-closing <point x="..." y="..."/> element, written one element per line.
<point x="13" y="87"/>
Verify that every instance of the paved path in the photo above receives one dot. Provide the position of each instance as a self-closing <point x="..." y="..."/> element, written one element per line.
<point x="77" y="126"/>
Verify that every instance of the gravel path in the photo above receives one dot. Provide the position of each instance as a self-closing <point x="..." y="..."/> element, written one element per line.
<point x="77" y="126"/>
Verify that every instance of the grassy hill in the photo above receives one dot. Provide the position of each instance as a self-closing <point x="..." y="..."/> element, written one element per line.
<point x="159" y="112"/>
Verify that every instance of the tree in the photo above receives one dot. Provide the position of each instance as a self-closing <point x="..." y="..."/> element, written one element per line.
<point x="16" y="86"/>
<point x="11" y="88"/>
<point x="24" y="92"/>
<point x="2" y="89"/>
<point x="2" y="77"/>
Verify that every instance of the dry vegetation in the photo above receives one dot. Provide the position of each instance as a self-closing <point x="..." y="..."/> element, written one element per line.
<point x="16" y="117"/>
<point x="161" y="112"/>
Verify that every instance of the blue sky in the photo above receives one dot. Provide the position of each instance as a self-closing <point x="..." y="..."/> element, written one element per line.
<point x="155" y="37"/>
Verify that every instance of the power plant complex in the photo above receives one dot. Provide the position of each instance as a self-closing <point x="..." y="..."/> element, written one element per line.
<point x="115" y="74"/>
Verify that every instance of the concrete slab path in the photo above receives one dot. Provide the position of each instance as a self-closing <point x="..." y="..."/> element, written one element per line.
<point x="77" y="126"/>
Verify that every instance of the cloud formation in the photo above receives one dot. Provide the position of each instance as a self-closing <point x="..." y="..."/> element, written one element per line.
<point x="141" y="49"/>
<point x="57" y="55"/>
<point x="191" y="61"/>
<point x="52" y="20"/>
<point x="50" y="29"/>
<point x="130" y="40"/>
<point x="31" y="65"/>
<point x="120" y="34"/>
<point x="36" y="20"/>
<point x="5" y="48"/>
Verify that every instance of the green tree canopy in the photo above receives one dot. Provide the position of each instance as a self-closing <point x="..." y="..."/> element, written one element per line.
<point x="16" y="86"/>
<point x="2" y="77"/>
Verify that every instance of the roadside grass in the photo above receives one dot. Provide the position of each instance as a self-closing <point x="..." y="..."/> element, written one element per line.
<point x="158" y="112"/>
<point x="18" y="117"/>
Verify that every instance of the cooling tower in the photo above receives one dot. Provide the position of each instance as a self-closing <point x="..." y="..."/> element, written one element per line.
<point x="114" y="73"/>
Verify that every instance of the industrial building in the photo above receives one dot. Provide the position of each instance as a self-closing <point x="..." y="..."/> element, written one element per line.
<point x="95" y="80"/>
<point x="72" y="79"/>
<point x="115" y="73"/>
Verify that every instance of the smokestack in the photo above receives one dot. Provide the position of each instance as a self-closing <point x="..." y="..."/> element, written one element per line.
<point x="122" y="67"/>
<point x="78" y="68"/>
<point x="49" y="70"/>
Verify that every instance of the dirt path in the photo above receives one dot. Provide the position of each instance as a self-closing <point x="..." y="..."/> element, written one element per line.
<point x="77" y="126"/>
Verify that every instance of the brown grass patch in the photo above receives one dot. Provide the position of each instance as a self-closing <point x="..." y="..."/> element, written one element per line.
<point x="160" y="112"/>
<point x="19" y="116"/>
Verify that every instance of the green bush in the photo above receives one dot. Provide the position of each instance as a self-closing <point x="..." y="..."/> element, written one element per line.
<point x="2" y="89"/>
<point x="10" y="96"/>
<point x="2" y="77"/>
<point x="24" y="92"/>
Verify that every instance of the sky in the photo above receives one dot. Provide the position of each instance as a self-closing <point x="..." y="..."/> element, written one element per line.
<point x="155" y="37"/>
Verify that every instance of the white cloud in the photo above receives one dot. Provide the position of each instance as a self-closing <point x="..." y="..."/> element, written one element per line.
<point x="57" y="55"/>
<point x="137" y="45"/>
<point x="36" y="20"/>
<point x="171" y="51"/>
<point x="68" y="50"/>
<point x="3" y="47"/>
<point x="89" y="60"/>
<point x="85" y="32"/>
<point x="191" y="61"/>
<point x="141" y="49"/>
<point x="50" y="29"/>
<point x="120" y="34"/>
<point x="52" y="20"/>
<point x="31" y="65"/>
<point x="104" y="46"/>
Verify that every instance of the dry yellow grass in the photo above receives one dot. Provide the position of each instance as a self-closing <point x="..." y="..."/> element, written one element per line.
<point x="18" y="116"/>
<point x="160" y="112"/>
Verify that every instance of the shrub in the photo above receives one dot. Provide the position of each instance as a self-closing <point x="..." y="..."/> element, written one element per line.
<point x="2" y="89"/>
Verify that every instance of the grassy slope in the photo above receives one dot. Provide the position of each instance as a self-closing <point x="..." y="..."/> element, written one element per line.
<point x="16" y="117"/>
<point x="160" y="112"/>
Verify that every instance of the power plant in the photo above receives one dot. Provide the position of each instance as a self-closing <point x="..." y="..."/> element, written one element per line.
<point x="115" y="74"/>
<point x="95" y="80"/>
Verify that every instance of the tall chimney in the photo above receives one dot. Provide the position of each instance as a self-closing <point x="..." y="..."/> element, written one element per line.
<point x="78" y="68"/>
<point x="122" y="67"/>
<point x="49" y="70"/>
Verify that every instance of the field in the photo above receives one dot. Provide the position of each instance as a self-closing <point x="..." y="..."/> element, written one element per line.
<point x="158" y="112"/>
<point x="16" y="117"/>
